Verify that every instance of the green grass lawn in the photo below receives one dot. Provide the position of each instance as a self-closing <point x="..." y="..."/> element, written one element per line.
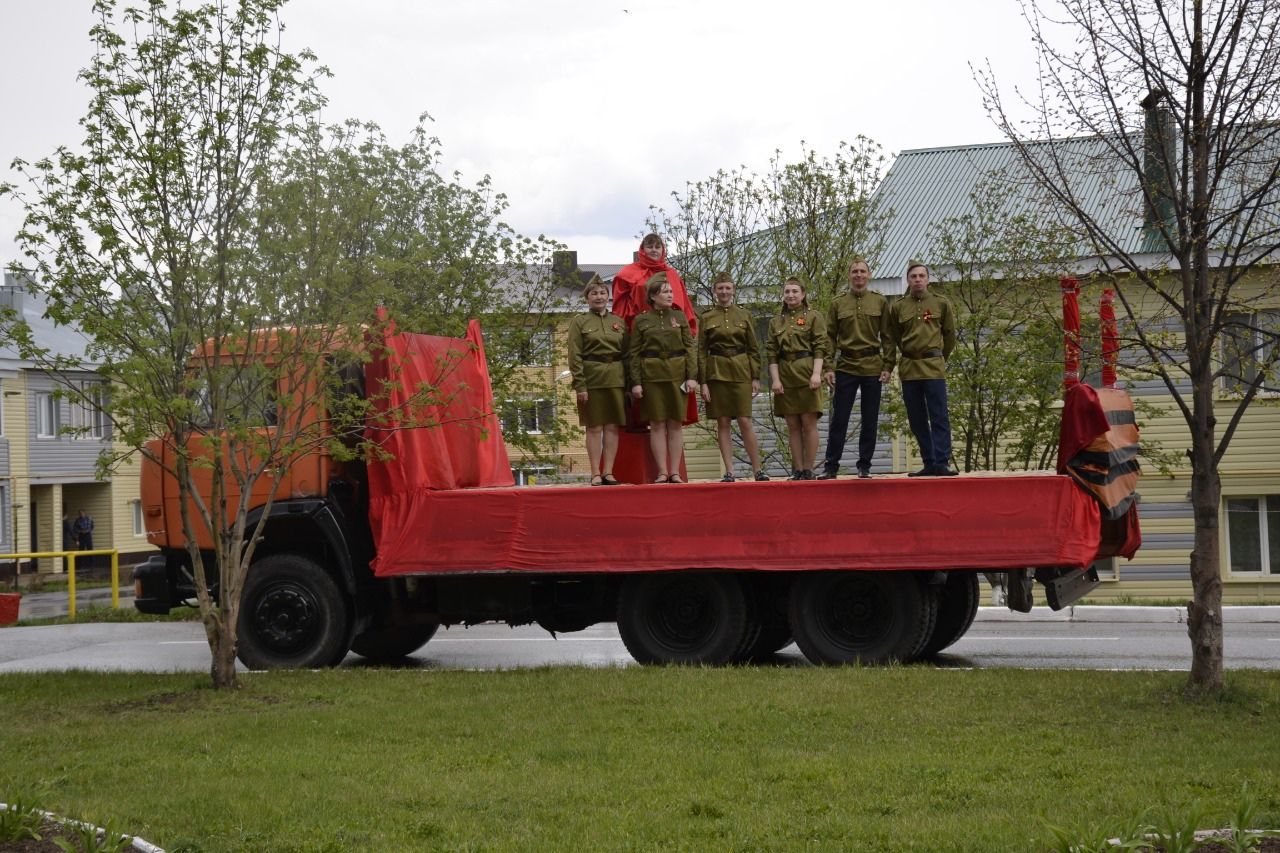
<point x="909" y="758"/>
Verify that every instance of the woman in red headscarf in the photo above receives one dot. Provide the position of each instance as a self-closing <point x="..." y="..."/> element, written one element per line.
<point x="630" y="299"/>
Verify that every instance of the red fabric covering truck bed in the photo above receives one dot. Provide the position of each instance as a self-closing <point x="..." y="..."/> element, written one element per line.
<point x="974" y="521"/>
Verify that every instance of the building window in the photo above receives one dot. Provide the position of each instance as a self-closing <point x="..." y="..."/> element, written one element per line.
<point x="532" y="476"/>
<point x="531" y="417"/>
<point x="1248" y="347"/>
<point x="87" y="415"/>
<point x="536" y="349"/>
<point x="1253" y="535"/>
<point x="4" y="519"/>
<point x="46" y="415"/>
<point x="138" y="528"/>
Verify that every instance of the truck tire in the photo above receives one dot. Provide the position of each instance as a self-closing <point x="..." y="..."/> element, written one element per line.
<point x="932" y="598"/>
<point x="957" y="608"/>
<point x="292" y="616"/>
<point x="682" y="617"/>
<point x="393" y="642"/>
<point x="858" y="617"/>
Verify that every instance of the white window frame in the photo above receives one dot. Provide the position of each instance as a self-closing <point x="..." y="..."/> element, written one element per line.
<point x="1262" y="504"/>
<point x="529" y="475"/>
<point x="139" y="527"/>
<point x="1259" y="348"/>
<point x="46" y="415"/>
<point x="529" y="415"/>
<point x="539" y="348"/>
<point x="87" y="416"/>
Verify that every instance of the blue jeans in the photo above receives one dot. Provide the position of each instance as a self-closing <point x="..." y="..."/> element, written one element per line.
<point x="926" y="402"/>
<point x="847" y="388"/>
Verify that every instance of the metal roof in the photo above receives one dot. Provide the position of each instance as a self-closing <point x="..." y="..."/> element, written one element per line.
<point x="927" y="186"/>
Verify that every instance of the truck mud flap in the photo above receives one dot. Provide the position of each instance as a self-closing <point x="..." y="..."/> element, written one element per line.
<point x="1067" y="586"/>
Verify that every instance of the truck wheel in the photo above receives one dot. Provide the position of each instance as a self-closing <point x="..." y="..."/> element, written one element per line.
<point x="956" y="609"/>
<point x="393" y="641"/>
<point x="931" y="597"/>
<point x="858" y="617"/>
<point x="682" y="617"/>
<point x="292" y="616"/>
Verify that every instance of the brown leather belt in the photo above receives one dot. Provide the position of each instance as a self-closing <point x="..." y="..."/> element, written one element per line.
<point x="923" y="354"/>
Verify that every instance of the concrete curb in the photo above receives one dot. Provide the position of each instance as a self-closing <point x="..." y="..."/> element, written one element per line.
<point x="1105" y="613"/>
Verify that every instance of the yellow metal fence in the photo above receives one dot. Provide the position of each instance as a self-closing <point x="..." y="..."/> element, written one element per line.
<point x="71" y="570"/>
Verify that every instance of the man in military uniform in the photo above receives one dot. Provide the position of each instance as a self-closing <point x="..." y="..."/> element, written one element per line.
<point x="922" y="327"/>
<point x="856" y="328"/>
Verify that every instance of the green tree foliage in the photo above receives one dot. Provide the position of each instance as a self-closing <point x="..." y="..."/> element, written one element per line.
<point x="1004" y="378"/>
<point x="394" y="225"/>
<point x="805" y="218"/>
<point x="1179" y="100"/>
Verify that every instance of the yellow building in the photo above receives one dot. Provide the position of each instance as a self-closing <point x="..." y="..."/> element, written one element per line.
<point x="50" y="443"/>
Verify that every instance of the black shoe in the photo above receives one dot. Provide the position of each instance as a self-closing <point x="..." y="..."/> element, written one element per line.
<point x="826" y="475"/>
<point x="727" y="478"/>
<point x="796" y="475"/>
<point x="926" y="471"/>
<point x="864" y="473"/>
<point x="944" y="471"/>
<point x="762" y="477"/>
<point x="806" y="474"/>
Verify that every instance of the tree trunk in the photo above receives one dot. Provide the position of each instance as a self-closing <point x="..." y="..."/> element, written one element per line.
<point x="222" y="668"/>
<point x="1204" y="611"/>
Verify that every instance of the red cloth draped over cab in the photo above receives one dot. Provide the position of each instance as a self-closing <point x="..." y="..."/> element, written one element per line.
<point x="435" y="424"/>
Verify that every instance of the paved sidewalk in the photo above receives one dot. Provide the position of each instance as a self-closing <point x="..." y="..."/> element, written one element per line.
<point x="1125" y="613"/>
<point x="48" y="605"/>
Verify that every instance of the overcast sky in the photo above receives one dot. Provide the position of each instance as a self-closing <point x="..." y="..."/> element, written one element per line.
<point x="586" y="112"/>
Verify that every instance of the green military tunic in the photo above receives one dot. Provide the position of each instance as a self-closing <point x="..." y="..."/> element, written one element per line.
<point x="662" y="355"/>
<point x="923" y="329"/>
<point x="728" y="359"/>
<point x="857" y="333"/>
<point x="795" y="339"/>
<point x="597" y="363"/>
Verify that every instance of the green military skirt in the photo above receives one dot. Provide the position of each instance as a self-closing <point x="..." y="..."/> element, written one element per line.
<point x="663" y="401"/>
<point x="604" y="406"/>
<point x="800" y="400"/>
<point x="729" y="399"/>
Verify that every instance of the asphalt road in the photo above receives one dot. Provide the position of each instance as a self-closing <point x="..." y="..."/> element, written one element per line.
<point x="1103" y="638"/>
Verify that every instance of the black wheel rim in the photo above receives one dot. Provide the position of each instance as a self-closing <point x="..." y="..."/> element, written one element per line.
<point x="855" y="613"/>
<point x="683" y="617"/>
<point x="286" y="619"/>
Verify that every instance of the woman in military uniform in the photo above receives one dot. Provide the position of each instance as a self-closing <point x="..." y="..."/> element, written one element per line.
<point x="662" y="366"/>
<point x="728" y="373"/>
<point x="597" y="363"/>
<point x="797" y="347"/>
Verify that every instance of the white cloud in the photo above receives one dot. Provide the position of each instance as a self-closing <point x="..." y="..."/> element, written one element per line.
<point x="585" y="113"/>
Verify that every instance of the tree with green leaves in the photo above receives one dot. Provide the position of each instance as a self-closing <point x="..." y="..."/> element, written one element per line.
<point x="1167" y="111"/>
<point x="999" y="268"/>
<point x="805" y="218"/>
<point x="225" y="254"/>
<point x="165" y="237"/>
